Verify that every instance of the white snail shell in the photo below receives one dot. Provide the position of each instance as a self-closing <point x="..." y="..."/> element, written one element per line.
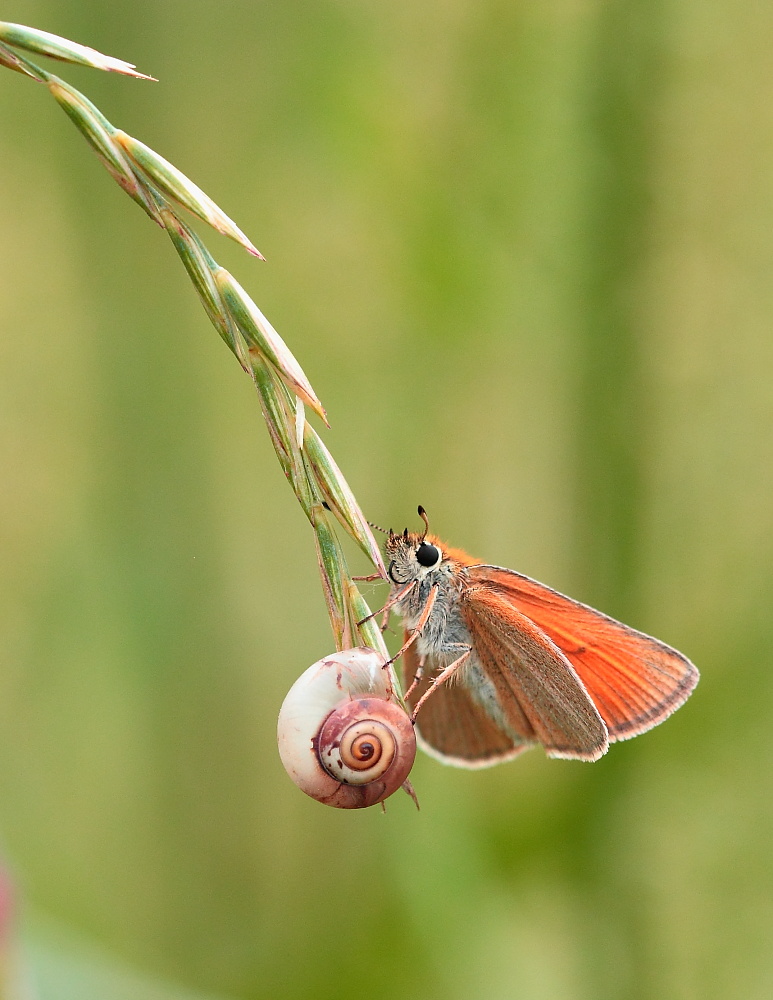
<point x="343" y="736"/>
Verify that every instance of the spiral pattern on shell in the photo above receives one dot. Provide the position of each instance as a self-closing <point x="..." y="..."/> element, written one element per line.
<point x="343" y="736"/>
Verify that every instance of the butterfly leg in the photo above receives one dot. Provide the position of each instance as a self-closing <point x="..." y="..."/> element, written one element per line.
<point x="394" y="599"/>
<point x="416" y="631"/>
<point x="370" y="579"/>
<point x="441" y="678"/>
<point x="417" y="677"/>
<point x="384" y="623"/>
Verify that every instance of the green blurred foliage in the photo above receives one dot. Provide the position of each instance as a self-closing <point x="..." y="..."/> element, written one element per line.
<point x="524" y="251"/>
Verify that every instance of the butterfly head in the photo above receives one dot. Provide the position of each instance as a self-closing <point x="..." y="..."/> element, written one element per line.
<point x="413" y="556"/>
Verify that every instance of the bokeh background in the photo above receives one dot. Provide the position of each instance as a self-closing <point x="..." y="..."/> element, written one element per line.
<point x="524" y="251"/>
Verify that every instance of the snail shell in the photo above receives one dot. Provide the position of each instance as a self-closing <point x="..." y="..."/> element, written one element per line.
<point x="343" y="736"/>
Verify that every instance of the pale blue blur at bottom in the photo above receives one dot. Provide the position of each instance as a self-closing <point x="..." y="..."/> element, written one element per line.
<point x="524" y="253"/>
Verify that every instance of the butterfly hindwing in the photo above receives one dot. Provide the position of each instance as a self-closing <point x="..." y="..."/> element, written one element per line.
<point x="455" y="727"/>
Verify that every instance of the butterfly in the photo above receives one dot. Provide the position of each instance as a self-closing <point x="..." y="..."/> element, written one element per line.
<point x="495" y="662"/>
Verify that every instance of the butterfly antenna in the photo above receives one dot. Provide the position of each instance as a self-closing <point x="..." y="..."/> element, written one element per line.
<point x="382" y="530"/>
<point x="423" y="516"/>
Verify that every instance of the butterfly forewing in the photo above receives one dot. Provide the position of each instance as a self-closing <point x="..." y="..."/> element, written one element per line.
<point x="634" y="681"/>
<point x="532" y="677"/>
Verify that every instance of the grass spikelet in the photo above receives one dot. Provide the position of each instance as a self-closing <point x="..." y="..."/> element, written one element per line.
<point x="175" y="185"/>
<point x="262" y="337"/>
<point x="56" y="47"/>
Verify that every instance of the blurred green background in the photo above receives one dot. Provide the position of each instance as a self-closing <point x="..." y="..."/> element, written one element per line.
<point x="524" y="251"/>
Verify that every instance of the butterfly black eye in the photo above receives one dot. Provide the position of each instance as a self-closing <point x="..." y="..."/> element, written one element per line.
<point x="427" y="555"/>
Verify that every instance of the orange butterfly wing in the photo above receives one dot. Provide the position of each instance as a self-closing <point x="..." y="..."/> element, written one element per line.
<point x="634" y="681"/>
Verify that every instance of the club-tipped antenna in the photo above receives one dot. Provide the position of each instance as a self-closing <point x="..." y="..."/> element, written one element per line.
<point x="423" y="516"/>
<point x="383" y="531"/>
